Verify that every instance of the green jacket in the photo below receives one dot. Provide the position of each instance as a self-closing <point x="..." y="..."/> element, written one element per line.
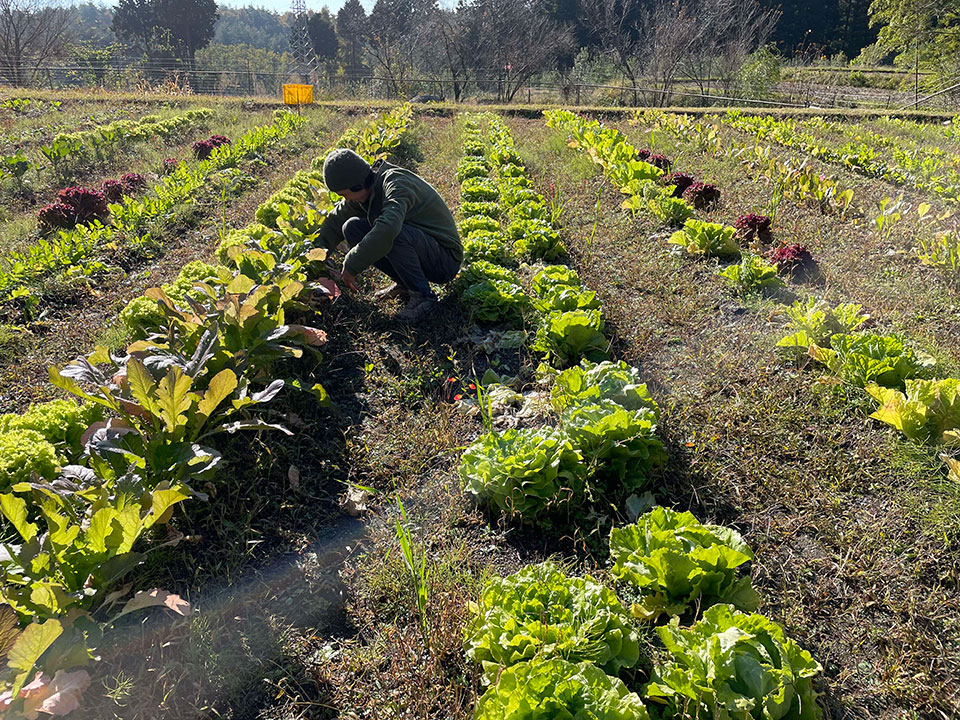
<point x="397" y="196"/>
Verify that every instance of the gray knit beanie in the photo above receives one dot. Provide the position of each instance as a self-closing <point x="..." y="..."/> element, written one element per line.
<point x="344" y="169"/>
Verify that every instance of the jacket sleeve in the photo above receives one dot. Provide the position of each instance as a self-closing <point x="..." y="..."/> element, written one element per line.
<point x="331" y="231"/>
<point x="398" y="199"/>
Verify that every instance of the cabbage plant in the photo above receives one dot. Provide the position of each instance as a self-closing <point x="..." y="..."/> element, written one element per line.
<point x="736" y="666"/>
<point x="523" y="473"/>
<point x="545" y="689"/>
<point x="540" y="612"/>
<point x="675" y="563"/>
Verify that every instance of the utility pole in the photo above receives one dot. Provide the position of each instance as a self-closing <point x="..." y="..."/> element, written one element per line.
<point x="305" y="62"/>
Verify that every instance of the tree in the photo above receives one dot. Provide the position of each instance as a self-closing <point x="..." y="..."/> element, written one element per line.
<point x="323" y="36"/>
<point x="617" y="27"/>
<point x="920" y="33"/>
<point x="31" y="32"/>
<point x="351" y="28"/>
<point x="167" y="29"/>
<point x="459" y="44"/>
<point x="515" y="42"/>
<point x="396" y="33"/>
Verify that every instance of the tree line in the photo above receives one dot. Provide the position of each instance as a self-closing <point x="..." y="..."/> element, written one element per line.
<point x="491" y="46"/>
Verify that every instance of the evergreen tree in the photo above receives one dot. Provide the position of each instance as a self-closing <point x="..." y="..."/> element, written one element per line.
<point x="351" y="29"/>
<point x="323" y="35"/>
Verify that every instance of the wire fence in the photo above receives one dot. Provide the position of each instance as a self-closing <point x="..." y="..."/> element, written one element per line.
<point x="568" y="90"/>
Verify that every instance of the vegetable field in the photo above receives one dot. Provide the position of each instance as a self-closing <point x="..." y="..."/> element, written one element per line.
<point x="682" y="439"/>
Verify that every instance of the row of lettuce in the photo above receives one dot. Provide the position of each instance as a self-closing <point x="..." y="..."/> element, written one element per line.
<point x="136" y="221"/>
<point x="652" y="190"/>
<point x="804" y="183"/>
<point x="931" y="172"/>
<point x="69" y="152"/>
<point x="902" y="379"/>
<point x="551" y="643"/>
<point x="86" y="485"/>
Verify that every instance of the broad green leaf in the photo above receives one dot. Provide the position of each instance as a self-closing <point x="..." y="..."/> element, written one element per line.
<point x="100" y="529"/>
<point x="15" y="510"/>
<point x="173" y="398"/>
<point x="162" y="501"/>
<point x="219" y="389"/>
<point x="142" y="386"/>
<point x="33" y="642"/>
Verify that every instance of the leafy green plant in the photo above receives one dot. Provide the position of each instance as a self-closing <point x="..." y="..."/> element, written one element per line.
<point x="496" y="301"/>
<point x="481" y="208"/>
<point x="88" y="543"/>
<point x="61" y="422"/>
<point x="568" y="337"/>
<point x="25" y="454"/>
<point x="471" y="167"/>
<point x="553" y="275"/>
<point x="490" y="246"/>
<point x="942" y="252"/>
<point x="143" y="314"/>
<point x="677" y="565"/>
<point x="562" y="298"/>
<point x="523" y="473"/>
<point x="618" y="446"/>
<point x="814" y="322"/>
<point x="733" y="665"/>
<point x="864" y="358"/>
<point x="541" y="689"/>
<point x="613" y="381"/>
<point x="478" y="222"/>
<point x="928" y="411"/>
<point x="752" y="274"/>
<point x="669" y="209"/>
<point x="540" y="612"/>
<point x="477" y="189"/>
<point x="536" y="239"/>
<point x="705" y="238"/>
<point x="161" y="414"/>
<point x="481" y="270"/>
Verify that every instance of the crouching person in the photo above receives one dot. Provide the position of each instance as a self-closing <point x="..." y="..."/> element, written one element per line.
<point x="393" y="219"/>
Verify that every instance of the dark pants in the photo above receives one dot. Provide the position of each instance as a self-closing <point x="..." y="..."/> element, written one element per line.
<point x="415" y="260"/>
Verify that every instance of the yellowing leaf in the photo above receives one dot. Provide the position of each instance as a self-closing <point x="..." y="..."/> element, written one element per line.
<point x="33" y="642"/>
<point x="101" y="526"/>
<point x="156" y="598"/>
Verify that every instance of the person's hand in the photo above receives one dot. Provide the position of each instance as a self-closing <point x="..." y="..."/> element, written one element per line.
<point x="350" y="281"/>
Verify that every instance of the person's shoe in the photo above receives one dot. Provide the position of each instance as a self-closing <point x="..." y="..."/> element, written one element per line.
<point x="418" y="307"/>
<point x="392" y="291"/>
